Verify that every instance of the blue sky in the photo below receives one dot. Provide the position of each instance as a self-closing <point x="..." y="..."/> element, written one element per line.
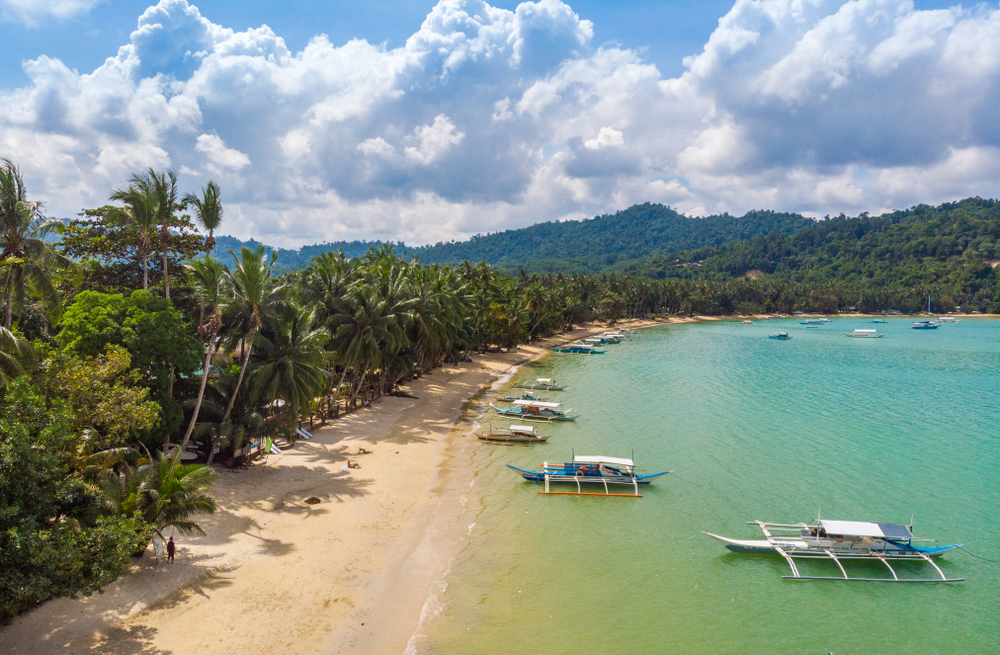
<point x="447" y="119"/>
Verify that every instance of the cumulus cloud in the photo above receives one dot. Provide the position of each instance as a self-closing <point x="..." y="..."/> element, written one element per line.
<point x="35" y="12"/>
<point x="487" y="118"/>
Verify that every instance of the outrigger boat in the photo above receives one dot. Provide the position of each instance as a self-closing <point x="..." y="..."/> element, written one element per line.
<point x="811" y="322"/>
<point x="527" y="395"/>
<point x="840" y="540"/>
<point x="512" y="434"/>
<point x="878" y="320"/>
<point x="590" y="469"/>
<point x="578" y="349"/>
<point x="540" y="384"/>
<point x="864" y="334"/>
<point x="536" y="410"/>
<point x="779" y="335"/>
<point x="926" y="325"/>
<point x="946" y="319"/>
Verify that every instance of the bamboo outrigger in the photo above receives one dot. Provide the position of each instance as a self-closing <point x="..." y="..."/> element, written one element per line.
<point x="842" y="540"/>
<point x="590" y="469"/>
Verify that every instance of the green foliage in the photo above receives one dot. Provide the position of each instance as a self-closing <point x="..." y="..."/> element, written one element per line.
<point x="158" y="340"/>
<point x="53" y="540"/>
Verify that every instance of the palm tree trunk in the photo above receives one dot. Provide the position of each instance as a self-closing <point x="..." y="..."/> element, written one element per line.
<point x="166" y="277"/>
<point x="239" y="380"/>
<point x="201" y="392"/>
<point x="145" y="273"/>
<point x="9" y="312"/>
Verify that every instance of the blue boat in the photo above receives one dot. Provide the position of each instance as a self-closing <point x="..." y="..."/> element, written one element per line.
<point x="578" y="349"/>
<point x="590" y="469"/>
<point x="811" y="322"/>
<point x="925" y="325"/>
<point x="779" y="335"/>
<point x="536" y="410"/>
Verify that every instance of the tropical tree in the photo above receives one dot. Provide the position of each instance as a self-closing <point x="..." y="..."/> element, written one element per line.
<point x="209" y="279"/>
<point x="290" y="360"/>
<point x="164" y="187"/>
<point x="141" y="212"/>
<point x="15" y="352"/>
<point x="207" y="211"/>
<point x="27" y="262"/>
<point x="170" y="493"/>
<point x="253" y="293"/>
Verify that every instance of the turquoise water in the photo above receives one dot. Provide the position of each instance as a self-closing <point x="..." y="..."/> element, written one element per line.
<point x="865" y="429"/>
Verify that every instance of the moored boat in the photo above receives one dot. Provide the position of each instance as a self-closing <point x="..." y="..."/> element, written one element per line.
<point x="779" y="335"/>
<point x="947" y="319"/>
<point x="590" y="469"/>
<point x="536" y="410"/>
<point x="811" y="322"/>
<point x="578" y="349"/>
<point x="864" y="334"/>
<point x="746" y="322"/>
<point x="540" y="384"/>
<point x="527" y="395"/>
<point x="878" y="320"/>
<point x="512" y="434"/>
<point x="837" y="540"/>
<point x="925" y="325"/>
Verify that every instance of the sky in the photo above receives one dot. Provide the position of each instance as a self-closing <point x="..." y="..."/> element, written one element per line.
<point x="428" y="122"/>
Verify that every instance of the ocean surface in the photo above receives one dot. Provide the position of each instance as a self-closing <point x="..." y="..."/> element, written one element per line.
<point x="859" y="429"/>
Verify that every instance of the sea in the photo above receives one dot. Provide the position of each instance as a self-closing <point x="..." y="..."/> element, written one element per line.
<point x="900" y="428"/>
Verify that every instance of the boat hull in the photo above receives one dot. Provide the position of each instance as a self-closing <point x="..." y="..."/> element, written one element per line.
<point x="539" y="476"/>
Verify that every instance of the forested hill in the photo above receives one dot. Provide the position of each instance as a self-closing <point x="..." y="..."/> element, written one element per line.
<point x="954" y="246"/>
<point x="637" y="233"/>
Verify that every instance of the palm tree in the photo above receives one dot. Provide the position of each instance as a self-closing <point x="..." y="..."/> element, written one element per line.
<point x="291" y="358"/>
<point x="363" y="333"/>
<point x="140" y="210"/>
<point x="164" y="186"/>
<point x="253" y="293"/>
<point x="209" y="280"/>
<point x="208" y="211"/>
<point x="26" y="260"/>
<point x="15" y="352"/>
<point x="170" y="493"/>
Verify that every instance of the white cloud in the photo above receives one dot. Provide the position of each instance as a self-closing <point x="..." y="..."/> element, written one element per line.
<point x="818" y="106"/>
<point x="35" y="12"/>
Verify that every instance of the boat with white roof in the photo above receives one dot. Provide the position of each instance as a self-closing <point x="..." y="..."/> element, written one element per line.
<point x="540" y="384"/>
<point x="593" y="470"/>
<point x="843" y="540"/>
<point x="512" y="434"/>
<point x="536" y="410"/>
<point x="864" y="334"/>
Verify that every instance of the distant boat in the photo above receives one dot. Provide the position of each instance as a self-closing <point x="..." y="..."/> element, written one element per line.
<point x="746" y="323"/>
<point x="864" y="334"/>
<point x="536" y="410"/>
<point x="578" y="349"/>
<point x="512" y="434"/>
<point x="779" y="335"/>
<point x="925" y="325"/>
<point x="824" y="320"/>
<point x="842" y="540"/>
<point x="540" y="384"/>
<point x="947" y="319"/>
<point x="878" y="320"/>
<point x="590" y="469"/>
<point x="811" y="322"/>
<point x="527" y="395"/>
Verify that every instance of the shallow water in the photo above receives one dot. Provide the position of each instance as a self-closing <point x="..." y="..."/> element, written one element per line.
<point x="865" y="429"/>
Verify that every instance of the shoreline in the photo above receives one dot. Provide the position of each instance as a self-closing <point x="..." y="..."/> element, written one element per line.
<point x="351" y="573"/>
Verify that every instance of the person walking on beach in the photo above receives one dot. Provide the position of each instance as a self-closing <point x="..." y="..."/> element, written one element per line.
<point x="170" y="550"/>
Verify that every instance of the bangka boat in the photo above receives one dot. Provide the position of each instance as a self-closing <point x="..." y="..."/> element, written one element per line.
<point x="925" y="325"/>
<point x="824" y="320"/>
<point x="864" y="334"/>
<point x="536" y="410"/>
<point x="540" y="384"/>
<point x="878" y="320"/>
<point x="527" y="395"/>
<point x="512" y="434"/>
<point x="590" y="469"/>
<point x="746" y="322"/>
<point x="578" y="349"/>
<point x="840" y="540"/>
<point x="779" y="335"/>
<point x="947" y="319"/>
<point x="598" y="341"/>
<point x="810" y="322"/>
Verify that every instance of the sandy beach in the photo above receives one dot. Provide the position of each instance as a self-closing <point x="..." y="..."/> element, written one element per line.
<point x="350" y="573"/>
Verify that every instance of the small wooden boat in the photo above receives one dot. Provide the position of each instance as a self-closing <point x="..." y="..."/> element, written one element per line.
<point x="590" y="469"/>
<point x="864" y="334"/>
<point x="824" y="320"/>
<point x="811" y="322"/>
<point x="540" y="384"/>
<point x="527" y="395"/>
<point x="925" y="325"/>
<point x="878" y="320"/>
<point x="536" y="410"/>
<point x="839" y="540"/>
<point x="512" y="434"/>
<point x="780" y="335"/>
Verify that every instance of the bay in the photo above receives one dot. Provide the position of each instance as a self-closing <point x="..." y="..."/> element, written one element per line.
<point x="859" y="429"/>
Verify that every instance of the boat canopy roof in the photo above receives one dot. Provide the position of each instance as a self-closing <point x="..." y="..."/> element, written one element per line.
<point x="865" y="331"/>
<point x="527" y="402"/>
<point x="601" y="459"/>
<point x="522" y="428"/>
<point x="543" y="379"/>
<point x="865" y="529"/>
